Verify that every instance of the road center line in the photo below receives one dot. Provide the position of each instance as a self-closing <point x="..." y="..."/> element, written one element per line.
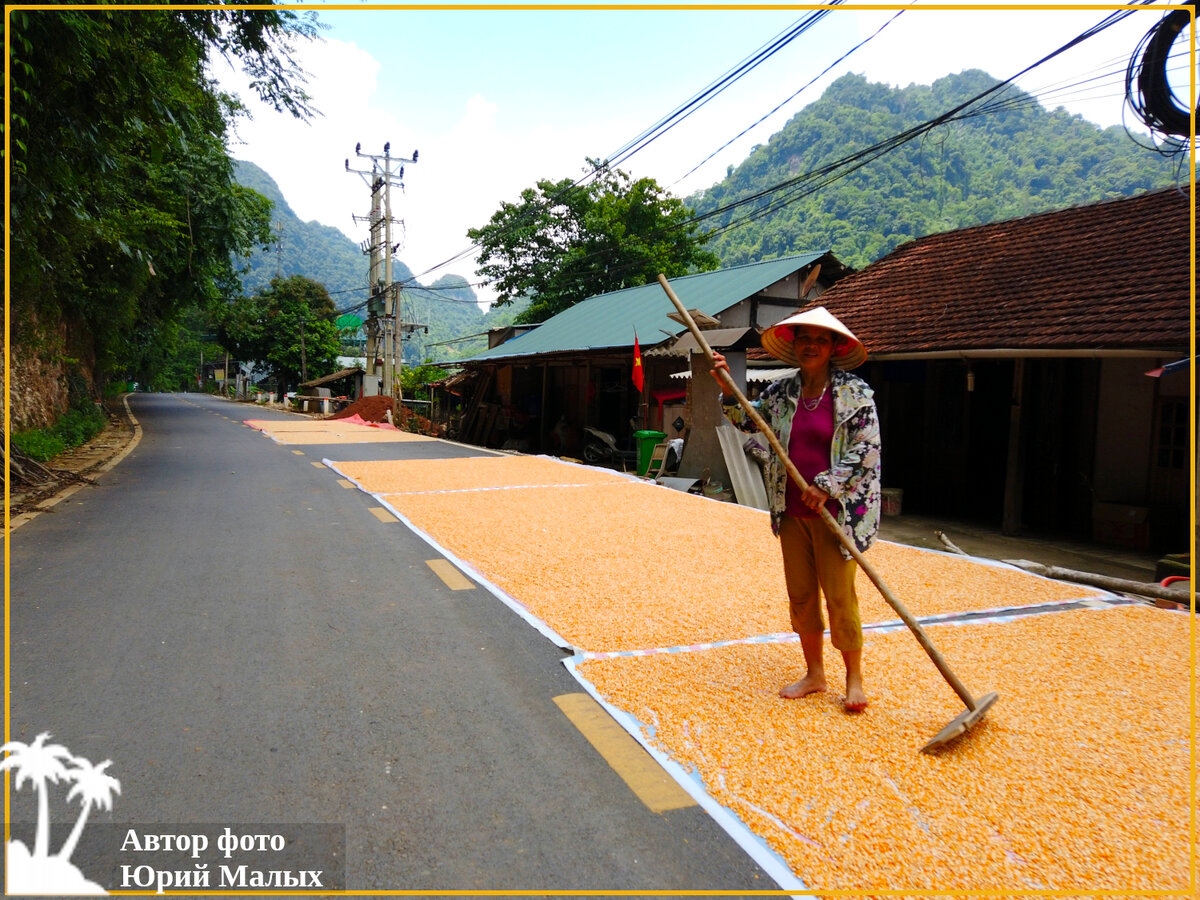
<point x="382" y="514"/>
<point x="450" y="574"/>
<point x="645" y="777"/>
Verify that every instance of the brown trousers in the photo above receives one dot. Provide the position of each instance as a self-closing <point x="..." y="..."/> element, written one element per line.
<point x="812" y="564"/>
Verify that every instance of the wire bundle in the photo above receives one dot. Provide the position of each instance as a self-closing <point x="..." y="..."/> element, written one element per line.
<point x="1147" y="89"/>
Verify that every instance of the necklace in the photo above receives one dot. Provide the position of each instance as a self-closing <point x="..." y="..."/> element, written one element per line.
<point x="814" y="403"/>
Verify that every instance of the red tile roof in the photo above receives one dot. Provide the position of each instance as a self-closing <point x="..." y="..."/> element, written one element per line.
<point x="1113" y="275"/>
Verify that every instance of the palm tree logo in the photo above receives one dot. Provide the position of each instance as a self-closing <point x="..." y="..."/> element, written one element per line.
<point x="44" y="764"/>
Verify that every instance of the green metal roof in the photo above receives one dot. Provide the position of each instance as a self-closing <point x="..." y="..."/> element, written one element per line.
<point x="609" y="320"/>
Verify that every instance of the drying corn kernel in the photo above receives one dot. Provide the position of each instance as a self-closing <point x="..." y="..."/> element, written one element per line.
<point x="424" y="475"/>
<point x="628" y="565"/>
<point x="1077" y="780"/>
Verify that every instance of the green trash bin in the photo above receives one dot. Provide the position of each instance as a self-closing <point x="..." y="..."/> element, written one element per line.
<point x="646" y="442"/>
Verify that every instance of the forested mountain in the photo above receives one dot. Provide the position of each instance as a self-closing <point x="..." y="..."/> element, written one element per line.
<point x="442" y="311"/>
<point x="320" y="252"/>
<point x="1013" y="161"/>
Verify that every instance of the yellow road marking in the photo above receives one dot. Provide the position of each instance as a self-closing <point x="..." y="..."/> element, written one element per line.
<point x="319" y="465"/>
<point x="298" y="452"/>
<point x="382" y="514"/>
<point x="346" y="483"/>
<point x="627" y="757"/>
<point x="450" y="574"/>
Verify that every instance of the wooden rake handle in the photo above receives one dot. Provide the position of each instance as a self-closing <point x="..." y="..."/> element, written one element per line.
<point x="826" y="516"/>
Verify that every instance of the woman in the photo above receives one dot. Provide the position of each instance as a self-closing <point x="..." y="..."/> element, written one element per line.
<point x="826" y="418"/>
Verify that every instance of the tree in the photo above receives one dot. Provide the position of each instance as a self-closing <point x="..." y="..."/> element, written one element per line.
<point x="122" y="204"/>
<point x="289" y="326"/>
<point x="565" y="242"/>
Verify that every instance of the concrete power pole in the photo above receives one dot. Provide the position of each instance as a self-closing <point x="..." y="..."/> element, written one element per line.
<point x="383" y="320"/>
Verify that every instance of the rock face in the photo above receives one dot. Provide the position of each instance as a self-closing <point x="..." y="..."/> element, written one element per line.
<point x="39" y="374"/>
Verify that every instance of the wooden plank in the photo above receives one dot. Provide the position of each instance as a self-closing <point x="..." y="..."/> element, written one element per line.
<point x="746" y="478"/>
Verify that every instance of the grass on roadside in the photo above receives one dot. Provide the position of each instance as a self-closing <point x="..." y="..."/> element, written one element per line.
<point x="78" y="426"/>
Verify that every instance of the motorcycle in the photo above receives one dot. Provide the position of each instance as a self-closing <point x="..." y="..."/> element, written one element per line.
<point x="600" y="448"/>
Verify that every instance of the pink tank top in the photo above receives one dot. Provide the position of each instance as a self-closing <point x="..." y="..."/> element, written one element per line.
<point x="808" y="449"/>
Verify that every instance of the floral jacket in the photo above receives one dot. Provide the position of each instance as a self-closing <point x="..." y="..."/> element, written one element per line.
<point x="853" y="477"/>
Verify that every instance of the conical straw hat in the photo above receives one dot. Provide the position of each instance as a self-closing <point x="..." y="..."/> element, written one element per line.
<point x="848" y="351"/>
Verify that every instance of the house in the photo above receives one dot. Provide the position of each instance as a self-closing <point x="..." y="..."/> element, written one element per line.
<point x="1010" y="365"/>
<point x="539" y="389"/>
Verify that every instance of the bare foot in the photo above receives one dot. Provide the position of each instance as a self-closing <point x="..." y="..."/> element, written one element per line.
<point x="856" y="700"/>
<point x="809" y="684"/>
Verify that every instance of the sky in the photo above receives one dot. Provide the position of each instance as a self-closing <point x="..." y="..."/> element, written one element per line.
<point x="496" y="99"/>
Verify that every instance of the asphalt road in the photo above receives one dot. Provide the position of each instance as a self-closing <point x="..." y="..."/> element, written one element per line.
<point x="248" y="643"/>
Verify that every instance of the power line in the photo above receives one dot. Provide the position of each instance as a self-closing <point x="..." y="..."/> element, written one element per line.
<point x="1153" y="100"/>
<point x="666" y="123"/>
<point x="792" y="97"/>
<point x="745" y="67"/>
<point x="792" y="189"/>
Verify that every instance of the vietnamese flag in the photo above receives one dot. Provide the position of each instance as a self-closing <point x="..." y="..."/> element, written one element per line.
<point x="639" y="378"/>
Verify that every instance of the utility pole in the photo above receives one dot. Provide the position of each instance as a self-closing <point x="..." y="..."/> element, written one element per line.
<point x="383" y="319"/>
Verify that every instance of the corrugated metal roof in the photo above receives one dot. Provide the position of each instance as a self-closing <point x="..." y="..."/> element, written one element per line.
<point x="768" y="375"/>
<point x="753" y="375"/>
<point x="716" y="338"/>
<point x="609" y="320"/>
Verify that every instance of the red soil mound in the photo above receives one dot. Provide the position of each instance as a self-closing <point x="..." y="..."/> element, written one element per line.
<point x="375" y="409"/>
<point x="371" y="409"/>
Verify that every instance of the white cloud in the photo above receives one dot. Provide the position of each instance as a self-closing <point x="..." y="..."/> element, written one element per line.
<point x="306" y="160"/>
<point x="489" y="154"/>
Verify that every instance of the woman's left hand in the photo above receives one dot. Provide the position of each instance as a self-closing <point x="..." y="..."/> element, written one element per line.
<point x="814" y="498"/>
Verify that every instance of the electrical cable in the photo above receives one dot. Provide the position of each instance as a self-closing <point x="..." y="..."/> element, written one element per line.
<point x="788" y="191"/>
<point x="681" y="112"/>
<point x="1153" y="100"/>
<point x="793" y="188"/>
<point x="792" y="97"/>
<point x="809" y="183"/>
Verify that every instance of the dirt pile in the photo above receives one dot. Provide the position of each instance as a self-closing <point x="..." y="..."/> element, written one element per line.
<point x="370" y="409"/>
<point x="375" y="409"/>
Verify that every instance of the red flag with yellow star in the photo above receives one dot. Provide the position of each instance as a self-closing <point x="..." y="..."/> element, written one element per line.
<point x="639" y="376"/>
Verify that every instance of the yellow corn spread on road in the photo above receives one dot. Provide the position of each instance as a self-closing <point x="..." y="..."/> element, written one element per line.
<point x="1077" y="780"/>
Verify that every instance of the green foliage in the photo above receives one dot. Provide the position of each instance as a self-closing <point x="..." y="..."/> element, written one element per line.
<point x="289" y="327"/>
<point x="1015" y="160"/>
<point x="122" y="206"/>
<point x="168" y="357"/>
<point x="414" y="380"/>
<point x="39" y="444"/>
<point x="565" y="242"/>
<point x="77" y="426"/>
<point x="317" y="251"/>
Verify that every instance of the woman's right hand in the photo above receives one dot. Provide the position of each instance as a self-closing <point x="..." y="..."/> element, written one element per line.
<point x="720" y="365"/>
